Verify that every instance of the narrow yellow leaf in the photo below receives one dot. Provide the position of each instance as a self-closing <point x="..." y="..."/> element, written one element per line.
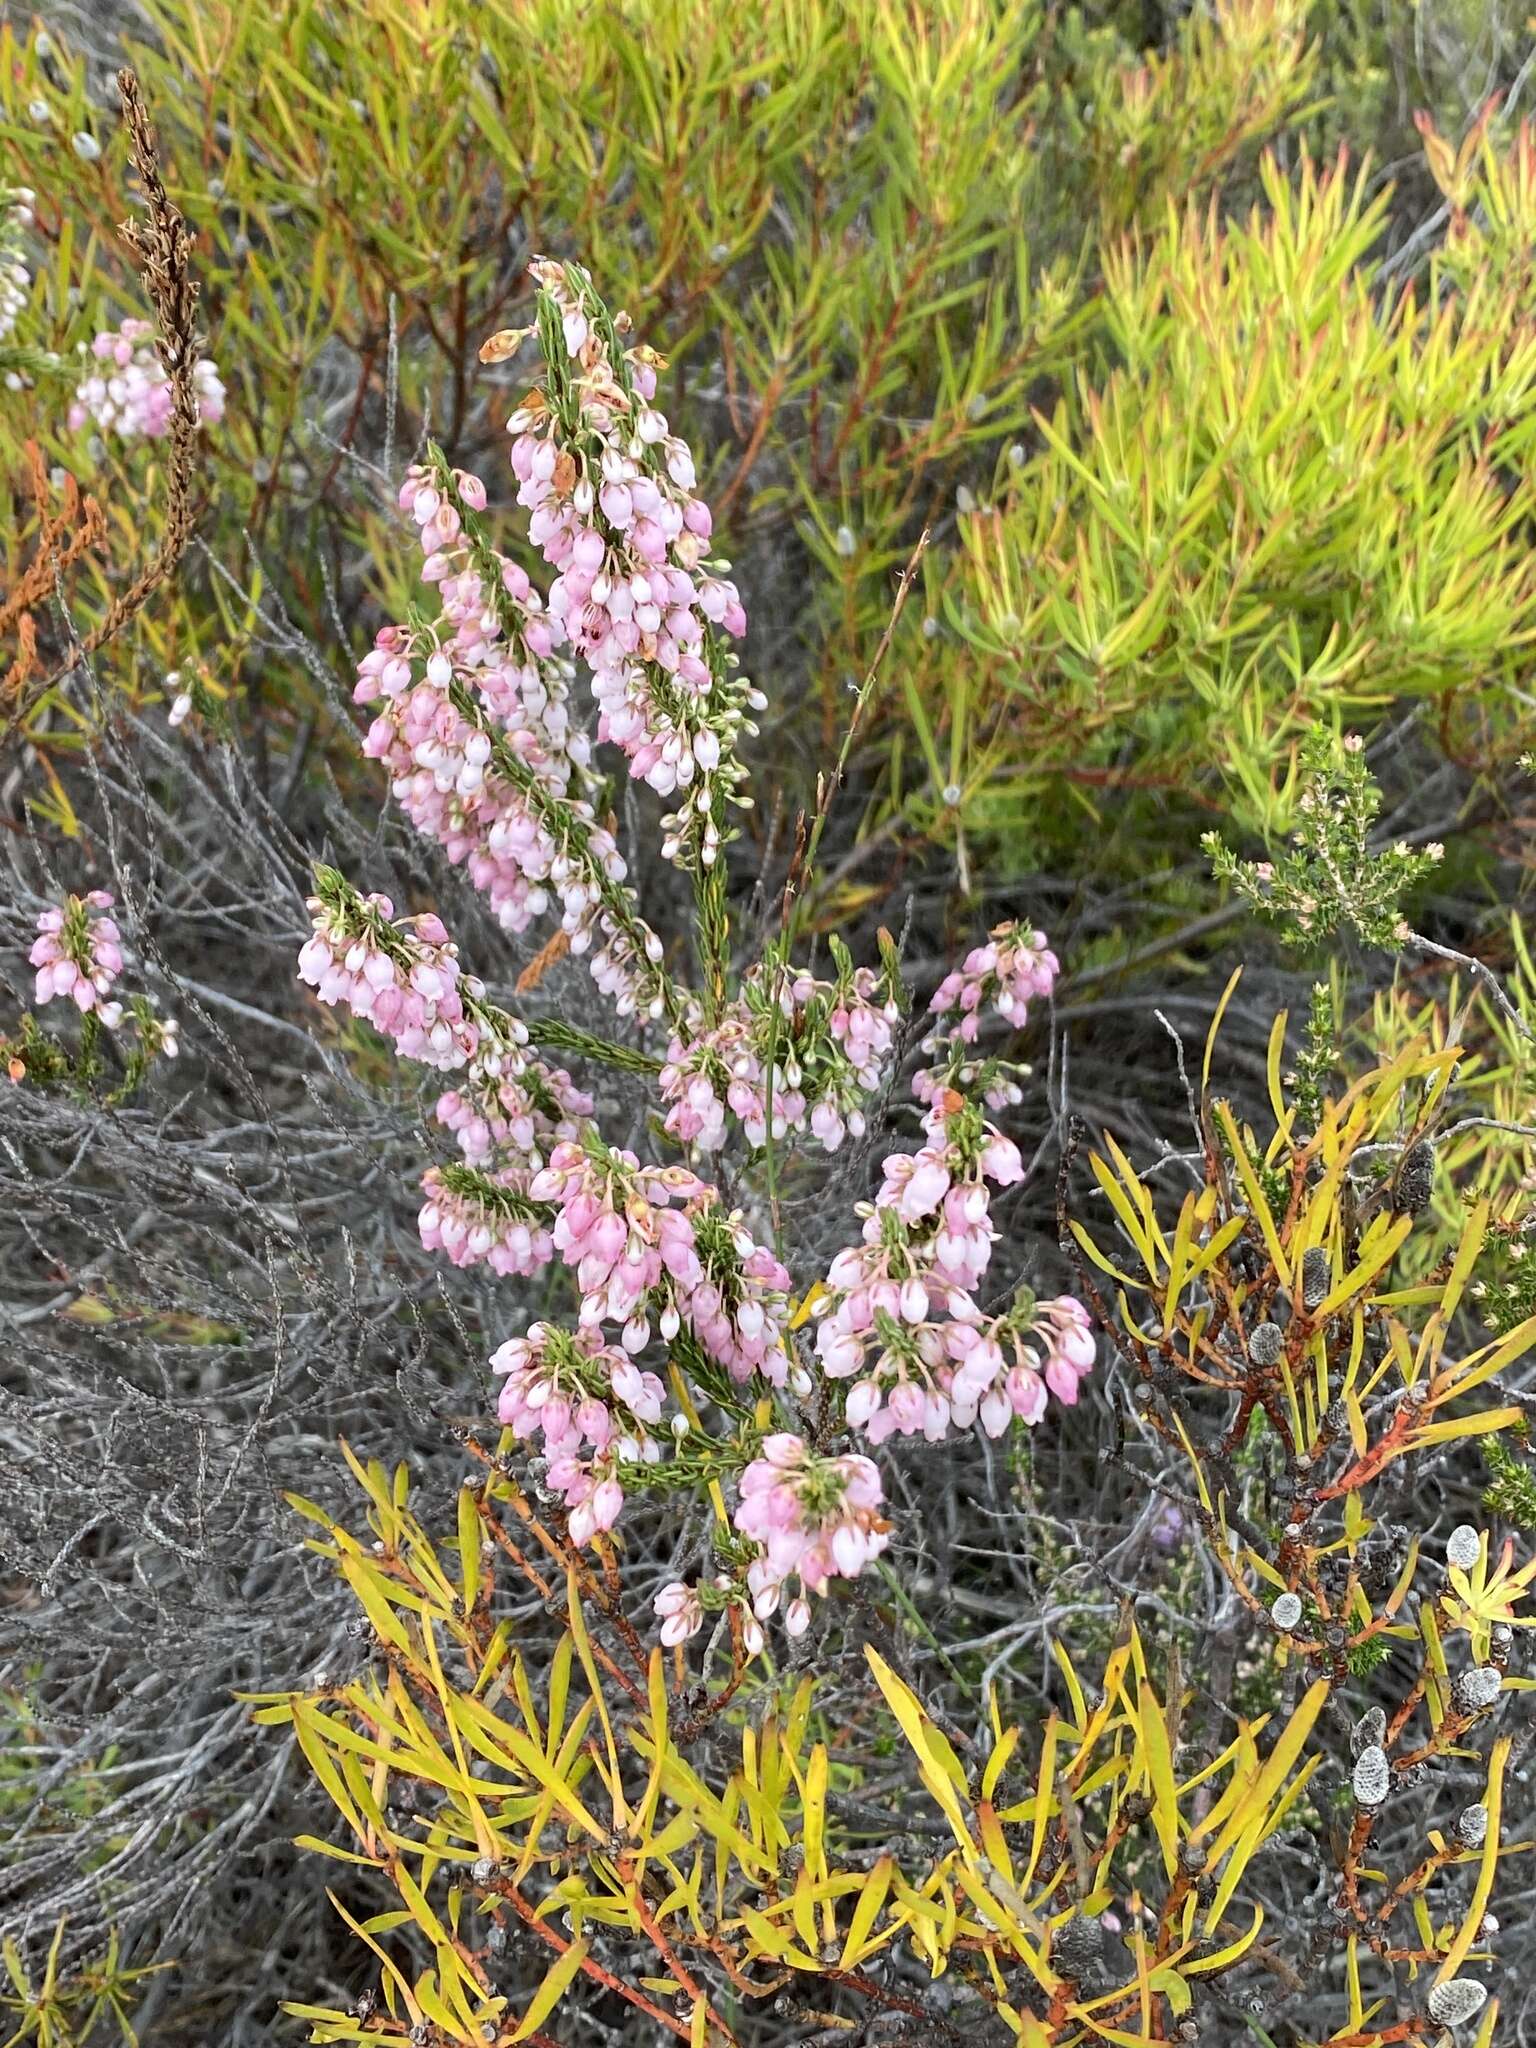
<point x="1493" y="1799"/>
<point x="552" y="1990"/>
<point x="1210" y="1037"/>
<point x="876" y="1889"/>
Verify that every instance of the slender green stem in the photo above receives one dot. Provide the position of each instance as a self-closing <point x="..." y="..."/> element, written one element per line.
<point x="828" y="787"/>
<point x="556" y="1035"/>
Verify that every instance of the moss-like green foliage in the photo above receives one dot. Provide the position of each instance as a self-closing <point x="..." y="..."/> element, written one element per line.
<point x="1511" y="1492"/>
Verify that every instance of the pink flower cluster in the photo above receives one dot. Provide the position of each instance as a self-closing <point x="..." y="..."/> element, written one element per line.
<point x="611" y="493"/>
<point x="473" y="723"/>
<point x="130" y="394"/>
<point x="681" y="1610"/>
<point x="900" y="1317"/>
<point x="524" y="1110"/>
<point x="472" y="718"/>
<point x="649" y="1240"/>
<point x="791" y="1051"/>
<point x="1014" y="965"/>
<point x="402" y="977"/>
<point x="78" y="953"/>
<point x="594" y="1409"/>
<point x="508" y="1110"/>
<point x="507" y="1123"/>
<point x="739" y="1309"/>
<point x="817" y="1519"/>
<point x="472" y="1217"/>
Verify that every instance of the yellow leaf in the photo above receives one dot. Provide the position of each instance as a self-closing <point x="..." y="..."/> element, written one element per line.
<point x="873" y="1895"/>
<point x="320" y="1848"/>
<point x="552" y="1990"/>
<point x="1079" y="1702"/>
<point x="1260" y="1794"/>
<point x="310" y="1730"/>
<point x="777" y="1942"/>
<point x="1100" y="1259"/>
<point x="1174" y="1989"/>
<point x="805" y="1308"/>
<point x="1378" y="1248"/>
<point x="934" y="1756"/>
<point x="1254" y="1193"/>
<point x="1272" y="1064"/>
<point x="1481" y="1424"/>
<point x="1159" y="1766"/>
<point x="1210" y="1037"/>
<point x="1046" y="1779"/>
<point x="1493" y="1799"/>
<point x="392" y="1974"/>
<point x="469" y="1546"/>
<point x="1222" y="1958"/>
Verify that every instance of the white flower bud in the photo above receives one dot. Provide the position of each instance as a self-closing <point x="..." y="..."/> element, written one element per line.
<point x="1463" y="1547"/>
<point x="1472" y="1826"/>
<point x="1477" y="1688"/>
<point x="86" y="147"/>
<point x="1369" y="1729"/>
<point x="1456" y="2001"/>
<point x="1372" y="1777"/>
<point x="1286" y="1611"/>
<point x="1266" y="1344"/>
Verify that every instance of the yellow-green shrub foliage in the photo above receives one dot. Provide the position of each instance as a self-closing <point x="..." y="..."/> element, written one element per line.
<point x="54" y="2008"/>
<point x="860" y="227"/>
<point x="595" y="1826"/>
<point x="1297" y="489"/>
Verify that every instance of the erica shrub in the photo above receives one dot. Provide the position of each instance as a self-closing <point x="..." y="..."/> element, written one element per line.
<point x="657" y="1826"/>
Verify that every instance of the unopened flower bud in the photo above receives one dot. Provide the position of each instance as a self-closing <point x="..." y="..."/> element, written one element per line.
<point x="1369" y="1731"/>
<point x="1456" y="2001"/>
<point x="1372" y="1777"/>
<point x="1414" y="1182"/>
<point x="1477" y="1688"/>
<point x="1316" y="1276"/>
<point x="1286" y="1611"/>
<point x="1266" y="1345"/>
<point x="1462" y="1547"/>
<point x="1472" y="1826"/>
<point x="1077" y="1945"/>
